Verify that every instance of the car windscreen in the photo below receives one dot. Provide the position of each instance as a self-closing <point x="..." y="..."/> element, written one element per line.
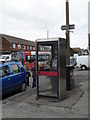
<point x="2" y="57"/>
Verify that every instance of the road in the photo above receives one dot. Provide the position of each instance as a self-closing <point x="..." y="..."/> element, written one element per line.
<point x="16" y="103"/>
<point x="81" y="76"/>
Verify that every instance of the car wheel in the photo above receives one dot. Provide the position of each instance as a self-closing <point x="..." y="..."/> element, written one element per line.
<point x="23" y="87"/>
<point x="83" y="67"/>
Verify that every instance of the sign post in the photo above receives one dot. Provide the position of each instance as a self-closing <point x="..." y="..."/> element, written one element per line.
<point x="67" y="34"/>
<point x="67" y="27"/>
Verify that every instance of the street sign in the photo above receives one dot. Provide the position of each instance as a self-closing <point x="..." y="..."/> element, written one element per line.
<point x="64" y="27"/>
<point x="72" y="26"/>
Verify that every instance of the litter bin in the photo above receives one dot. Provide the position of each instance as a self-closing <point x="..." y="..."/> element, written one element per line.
<point x="69" y="77"/>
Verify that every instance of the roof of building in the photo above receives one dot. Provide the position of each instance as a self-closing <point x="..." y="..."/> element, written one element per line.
<point x="17" y="40"/>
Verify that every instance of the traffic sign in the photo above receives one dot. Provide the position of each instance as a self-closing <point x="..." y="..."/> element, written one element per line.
<point x="64" y="27"/>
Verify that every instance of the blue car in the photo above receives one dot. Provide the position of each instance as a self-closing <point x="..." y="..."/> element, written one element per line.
<point x="12" y="77"/>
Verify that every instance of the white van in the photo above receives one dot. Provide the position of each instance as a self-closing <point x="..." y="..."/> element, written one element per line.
<point x="83" y="61"/>
<point x="5" y="58"/>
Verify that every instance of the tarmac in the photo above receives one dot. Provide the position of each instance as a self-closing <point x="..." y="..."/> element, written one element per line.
<point x="74" y="106"/>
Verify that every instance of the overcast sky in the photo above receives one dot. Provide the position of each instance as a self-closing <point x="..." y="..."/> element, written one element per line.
<point x="30" y="19"/>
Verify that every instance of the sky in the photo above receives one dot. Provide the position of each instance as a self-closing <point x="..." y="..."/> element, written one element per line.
<point x="89" y="17"/>
<point x="31" y="19"/>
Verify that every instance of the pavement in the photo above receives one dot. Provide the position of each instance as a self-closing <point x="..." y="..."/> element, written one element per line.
<point x="74" y="106"/>
<point x="71" y="98"/>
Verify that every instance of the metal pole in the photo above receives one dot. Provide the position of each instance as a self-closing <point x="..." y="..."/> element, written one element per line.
<point x="67" y="34"/>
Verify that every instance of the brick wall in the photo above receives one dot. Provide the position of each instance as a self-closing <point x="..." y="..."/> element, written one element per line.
<point x="0" y="43"/>
<point x="6" y="45"/>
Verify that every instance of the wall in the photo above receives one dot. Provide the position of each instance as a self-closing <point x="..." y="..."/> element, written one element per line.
<point x="5" y="44"/>
<point x="0" y="43"/>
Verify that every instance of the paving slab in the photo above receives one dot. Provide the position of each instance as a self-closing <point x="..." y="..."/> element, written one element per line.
<point x="71" y="99"/>
<point x="71" y="107"/>
<point x="82" y="105"/>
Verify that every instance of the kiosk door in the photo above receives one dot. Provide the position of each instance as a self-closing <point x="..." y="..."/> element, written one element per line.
<point x="47" y="69"/>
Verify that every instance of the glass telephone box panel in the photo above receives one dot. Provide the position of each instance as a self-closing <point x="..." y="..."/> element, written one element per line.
<point x="47" y="69"/>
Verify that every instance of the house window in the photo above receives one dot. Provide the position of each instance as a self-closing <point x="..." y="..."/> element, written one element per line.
<point x="30" y="47"/>
<point x="33" y="48"/>
<point x="27" y="47"/>
<point x="24" y="47"/>
<point x="19" y="46"/>
<point x="14" y="45"/>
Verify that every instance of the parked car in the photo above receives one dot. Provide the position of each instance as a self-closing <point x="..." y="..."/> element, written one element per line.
<point x="12" y="76"/>
<point x="5" y="58"/>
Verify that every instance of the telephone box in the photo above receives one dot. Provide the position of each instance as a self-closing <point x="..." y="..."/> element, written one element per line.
<point x="51" y="76"/>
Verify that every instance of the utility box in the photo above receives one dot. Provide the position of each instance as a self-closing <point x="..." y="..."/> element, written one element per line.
<point x="51" y="67"/>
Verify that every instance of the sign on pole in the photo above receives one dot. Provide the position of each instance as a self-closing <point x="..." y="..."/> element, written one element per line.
<point x="64" y="27"/>
<point x="72" y="26"/>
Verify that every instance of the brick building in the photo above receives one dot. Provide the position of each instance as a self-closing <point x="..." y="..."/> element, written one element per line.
<point x="10" y="44"/>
